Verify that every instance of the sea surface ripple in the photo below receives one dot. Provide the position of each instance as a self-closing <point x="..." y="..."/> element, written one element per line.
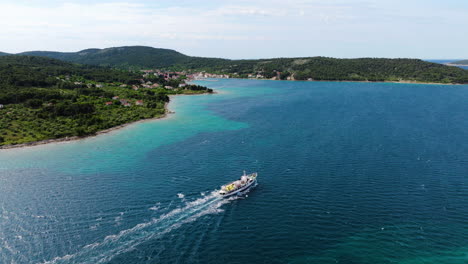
<point x="348" y="173"/>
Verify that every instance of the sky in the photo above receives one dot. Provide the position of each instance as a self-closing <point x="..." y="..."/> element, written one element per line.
<point x="241" y="29"/>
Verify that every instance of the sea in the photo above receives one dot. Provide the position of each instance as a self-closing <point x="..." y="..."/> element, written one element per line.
<point x="349" y="173"/>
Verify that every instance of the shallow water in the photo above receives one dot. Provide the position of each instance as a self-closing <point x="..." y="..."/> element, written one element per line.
<point x="348" y="173"/>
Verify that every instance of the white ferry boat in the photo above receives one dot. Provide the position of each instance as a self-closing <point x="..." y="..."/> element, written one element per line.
<point x="237" y="187"/>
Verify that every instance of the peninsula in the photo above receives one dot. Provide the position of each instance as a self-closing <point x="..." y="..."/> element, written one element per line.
<point x="48" y="99"/>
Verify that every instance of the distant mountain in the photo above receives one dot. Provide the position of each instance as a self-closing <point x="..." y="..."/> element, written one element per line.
<point x="332" y="69"/>
<point x="64" y="56"/>
<point x="3" y="54"/>
<point x="462" y="62"/>
<point x="126" y="57"/>
<point x="308" y="68"/>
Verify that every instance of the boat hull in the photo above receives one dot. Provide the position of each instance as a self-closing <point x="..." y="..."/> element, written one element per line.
<point x="240" y="190"/>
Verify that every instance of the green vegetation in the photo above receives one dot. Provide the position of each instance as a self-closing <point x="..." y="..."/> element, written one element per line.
<point x="135" y="57"/>
<point x="314" y="68"/>
<point x="462" y="62"/>
<point x="330" y="69"/>
<point x="42" y="98"/>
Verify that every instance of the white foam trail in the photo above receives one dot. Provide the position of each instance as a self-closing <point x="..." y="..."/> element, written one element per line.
<point x="128" y="240"/>
<point x="155" y="207"/>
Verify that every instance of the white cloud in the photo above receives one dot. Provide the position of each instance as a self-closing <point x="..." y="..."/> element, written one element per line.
<point x="242" y="29"/>
<point x="248" y="11"/>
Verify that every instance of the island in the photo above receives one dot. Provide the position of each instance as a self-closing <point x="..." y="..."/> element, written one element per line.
<point x="44" y="99"/>
<point x="305" y="69"/>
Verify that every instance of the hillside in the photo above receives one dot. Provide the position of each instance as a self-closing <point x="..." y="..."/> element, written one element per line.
<point x="31" y="71"/>
<point x="43" y="98"/>
<point x="309" y="68"/>
<point x="331" y="69"/>
<point x="135" y="57"/>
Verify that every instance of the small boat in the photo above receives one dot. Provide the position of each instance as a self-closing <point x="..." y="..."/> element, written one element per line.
<point x="237" y="187"/>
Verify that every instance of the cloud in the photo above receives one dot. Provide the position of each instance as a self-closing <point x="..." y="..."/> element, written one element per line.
<point x="241" y="28"/>
<point x="248" y="11"/>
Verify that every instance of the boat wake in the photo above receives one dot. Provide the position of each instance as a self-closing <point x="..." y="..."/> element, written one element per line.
<point x="127" y="240"/>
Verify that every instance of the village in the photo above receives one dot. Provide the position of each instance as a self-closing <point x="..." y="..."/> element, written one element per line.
<point x="173" y="82"/>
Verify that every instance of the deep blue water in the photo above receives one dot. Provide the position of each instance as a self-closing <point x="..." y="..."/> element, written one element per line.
<point x="348" y="173"/>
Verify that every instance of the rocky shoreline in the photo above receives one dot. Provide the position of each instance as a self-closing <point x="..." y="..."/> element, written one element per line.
<point x="66" y="139"/>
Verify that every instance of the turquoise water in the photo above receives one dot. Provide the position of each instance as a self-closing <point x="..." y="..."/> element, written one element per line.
<point x="349" y="173"/>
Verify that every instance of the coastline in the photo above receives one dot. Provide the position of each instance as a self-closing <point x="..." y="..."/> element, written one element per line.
<point x="401" y="82"/>
<point x="456" y="65"/>
<point x="167" y="113"/>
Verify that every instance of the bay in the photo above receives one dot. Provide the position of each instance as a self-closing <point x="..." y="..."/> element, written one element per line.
<point x="348" y="173"/>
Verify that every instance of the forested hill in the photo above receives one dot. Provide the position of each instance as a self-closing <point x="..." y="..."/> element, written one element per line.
<point x="331" y="69"/>
<point x="462" y="62"/>
<point x="134" y="57"/>
<point x="309" y="68"/>
<point x="31" y="71"/>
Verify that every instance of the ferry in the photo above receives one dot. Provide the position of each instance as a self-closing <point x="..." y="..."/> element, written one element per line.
<point x="237" y="187"/>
